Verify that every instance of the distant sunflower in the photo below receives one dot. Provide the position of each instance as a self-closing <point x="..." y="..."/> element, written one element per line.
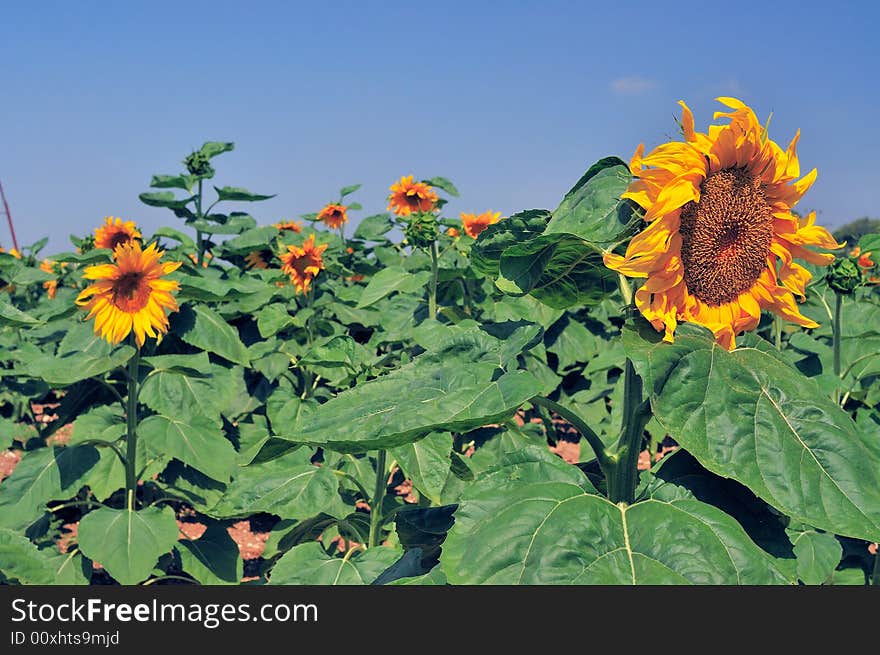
<point x="12" y="251"/>
<point x="453" y="232"/>
<point x="289" y="226"/>
<point x="115" y="232"/>
<point x="333" y="215"/>
<point x="258" y="259"/>
<point x="474" y="224"/>
<point x="303" y="263"/>
<point x="721" y="236"/>
<point x="130" y="294"/>
<point x="51" y="286"/>
<point x="408" y="197"/>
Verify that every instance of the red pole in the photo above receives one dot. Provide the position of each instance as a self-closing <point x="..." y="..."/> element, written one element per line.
<point x="9" y="218"/>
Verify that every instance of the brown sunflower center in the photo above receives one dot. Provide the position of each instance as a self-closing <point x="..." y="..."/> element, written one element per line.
<point x="119" y="238"/>
<point x="131" y="292"/>
<point x="726" y="236"/>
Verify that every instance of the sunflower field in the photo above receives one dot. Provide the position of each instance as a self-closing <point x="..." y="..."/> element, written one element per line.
<point x="673" y="377"/>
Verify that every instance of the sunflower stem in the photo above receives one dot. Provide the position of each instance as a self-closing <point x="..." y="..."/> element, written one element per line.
<point x="432" y="298"/>
<point x="200" y="241"/>
<point x="376" y="504"/>
<point x="625" y="474"/>
<point x="835" y="331"/>
<point x="131" y="431"/>
<point x="606" y="463"/>
<point x="777" y="332"/>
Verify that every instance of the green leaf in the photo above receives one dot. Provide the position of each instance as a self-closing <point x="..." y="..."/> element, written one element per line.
<point x="454" y="388"/>
<point x="22" y="561"/>
<point x="485" y="254"/>
<point x="258" y="238"/>
<point x="195" y="440"/>
<point x="444" y="184"/>
<point x="309" y="564"/>
<point x="197" y="365"/>
<point x="372" y="228"/>
<point x="338" y="352"/>
<point x="514" y="530"/>
<point x="818" y="554"/>
<point x="204" y="328"/>
<point x="164" y="199"/>
<point x="213" y="558"/>
<point x="749" y="416"/>
<point x="239" y="194"/>
<point x="425" y="529"/>
<point x="184" y="182"/>
<point x="389" y="280"/>
<point x="98" y="255"/>
<point x="16" y="318"/>
<point x="180" y="237"/>
<point x="235" y="223"/>
<point x="593" y="209"/>
<point x="870" y="243"/>
<point x="213" y="148"/>
<point x="41" y="476"/>
<point x="127" y="543"/>
<point x="426" y="463"/>
<point x="560" y="270"/>
<point x="348" y="190"/>
<point x="272" y="319"/>
<point x="288" y="486"/>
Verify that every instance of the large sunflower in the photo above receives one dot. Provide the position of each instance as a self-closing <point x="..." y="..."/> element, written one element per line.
<point x="303" y="263"/>
<point x="258" y="259"/>
<point x="130" y="294"/>
<point x="114" y="232"/>
<point x="333" y="215"/>
<point x="721" y="235"/>
<point x="408" y="197"/>
<point x="474" y="224"/>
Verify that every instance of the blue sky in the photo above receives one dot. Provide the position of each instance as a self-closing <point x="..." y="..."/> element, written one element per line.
<point x="510" y="100"/>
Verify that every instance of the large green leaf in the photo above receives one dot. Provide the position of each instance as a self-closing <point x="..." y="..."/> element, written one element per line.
<point x="288" y="486"/>
<point x="164" y="199"/>
<point x="204" y="328"/>
<point x="457" y="387"/>
<point x="10" y="315"/>
<point x="309" y="564"/>
<point x="127" y="543"/>
<point x="511" y="529"/>
<point x="486" y="252"/>
<point x="593" y="209"/>
<point x="239" y="194"/>
<point x="257" y="238"/>
<point x="213" y="558"/>
<point x="213" y="148"/>
<point x="184" y="182"/>
<point x="373" y="228"/>
<point x="42" y="475"/>
<point x="389" y="280"/>
<point x="426" y="463"/>
<point x="195" y="440"/>
<point x="22" y="562"/>
<point x="818" y="554"/>
<point x="750" y="416"/>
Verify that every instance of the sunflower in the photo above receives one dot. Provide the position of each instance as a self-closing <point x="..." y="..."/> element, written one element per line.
<point x="333" y="215"/>
<point x="303" y="263"/>
<point x="12" y="251"/>
<point x="864" y="259"/>
<point x="453" y="232"/>
<point x="51" y="286"/>
<point x="408" y="197"/>
<point x="258" y="259"/>
<point x="474" y="224"/>
<point x="130" y="294"/>
<point x="721" y="234"/>
<point x="114" y="232"/>
<point x="289" y="226"/>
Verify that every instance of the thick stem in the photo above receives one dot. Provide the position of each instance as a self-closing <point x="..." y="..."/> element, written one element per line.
<point x="624" y="478"/>
<point x="200" y="241"/>
<point x="835" y="331"/>
<point x="432" y="298"/>
<point x="605" y="462"/>
<point x="875" y="576"/>
<point x="777" y="331"/>
<point x="131" y="431"/>
<point x="376" y="504"/>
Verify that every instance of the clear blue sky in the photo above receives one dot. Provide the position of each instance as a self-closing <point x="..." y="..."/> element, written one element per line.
<point x="510" y="100"/>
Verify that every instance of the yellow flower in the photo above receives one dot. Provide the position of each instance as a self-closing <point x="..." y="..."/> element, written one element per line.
<point x="114" y="232"/>
<point x="290" y="226"/>
<point x="721" y="236"/>
<point x="130" y="294"/>
<point x="303" y="263"/>
<point x="408" y="197"/>
<point x="333" y="215"/>
<point x="475" y="224"/>
<point x="51" y="286"/>
<point x="452" y="232"/>
<point x="258" y="259"/>
<point x="13" y="252"/>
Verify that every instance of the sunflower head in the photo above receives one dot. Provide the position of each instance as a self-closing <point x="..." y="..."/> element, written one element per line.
<point x="258" y="259"/>
<point x="453" y="232"/>
<point x="333" y="215"/>
<point x="199" y="164"/>
<point x="114" y="232"/>
<point x="474" y="224"/>
<point x="421" y="229"/>
<point x="408" y="196"/>
<point x="721" y="237"/>
<point x="289" y="226"/>
<point x="303" y="263"/>
<point x="130" y="295"/>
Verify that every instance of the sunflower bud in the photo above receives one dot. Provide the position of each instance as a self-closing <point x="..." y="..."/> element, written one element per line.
<point x="199" y="164"/>
<point x="843" y="275"/>
<point x="86" y="244"/>
<point x="422" y="230"/>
